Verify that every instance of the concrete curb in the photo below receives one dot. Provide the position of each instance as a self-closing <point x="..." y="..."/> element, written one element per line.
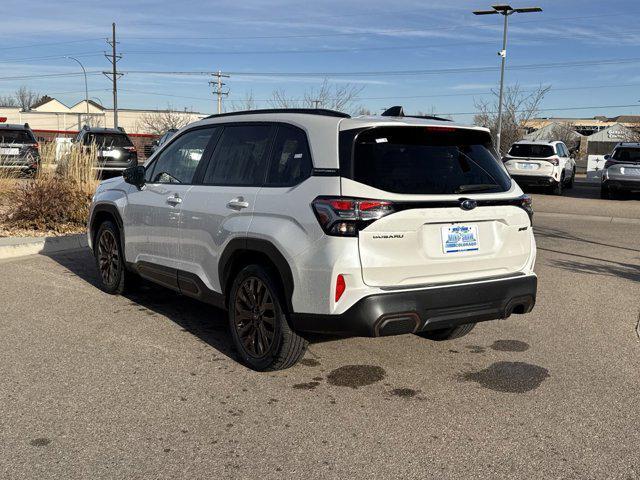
<point x="596" y="218"/>
<point x="12" y="247"/>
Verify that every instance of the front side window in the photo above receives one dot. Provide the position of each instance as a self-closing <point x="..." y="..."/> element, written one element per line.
<point x="179" y="161"/>
<point x="531" y="150"/>
<point x="428" y="160"/>
<point x="291" y="160"/>
<point x="240" y="156"/>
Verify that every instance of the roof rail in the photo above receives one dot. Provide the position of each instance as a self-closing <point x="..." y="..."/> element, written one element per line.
<point x="308" y="111"/>
<point x="398" y="111"/>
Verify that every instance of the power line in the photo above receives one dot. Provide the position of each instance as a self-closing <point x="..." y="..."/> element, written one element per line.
<point x="48" y="44"/>
<point x="51" y="57"/>
<point x="441" y="71"/>
<point x="48" y="75"/>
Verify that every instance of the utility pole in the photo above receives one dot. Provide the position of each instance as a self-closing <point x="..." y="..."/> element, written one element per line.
<point x="113" y="74"/>
<point x="218" y="84"/>
<point x="505" y="11"/>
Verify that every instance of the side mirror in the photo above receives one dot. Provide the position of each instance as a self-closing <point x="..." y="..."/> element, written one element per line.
<point x="134" y="175"/>
<point x="607" y="157"/>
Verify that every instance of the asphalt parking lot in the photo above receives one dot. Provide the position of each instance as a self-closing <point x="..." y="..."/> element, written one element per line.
<point x="147" y="386"/>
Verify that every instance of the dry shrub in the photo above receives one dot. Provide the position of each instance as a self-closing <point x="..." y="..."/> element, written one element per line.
<point x="51" y="203"/>
<point x="58" y="198"/>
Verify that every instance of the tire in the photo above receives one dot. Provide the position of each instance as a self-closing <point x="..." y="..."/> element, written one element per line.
<point x="258" y="322"/>
<point x="114" y="278"/>
<point x="572" y="179"/>
<point x="557" y="188"/>
<point x="605" y="193"/>
<point x="447" y="333"/>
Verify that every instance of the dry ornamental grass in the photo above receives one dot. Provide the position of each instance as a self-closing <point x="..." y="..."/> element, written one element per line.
<point x="57" y="200"/>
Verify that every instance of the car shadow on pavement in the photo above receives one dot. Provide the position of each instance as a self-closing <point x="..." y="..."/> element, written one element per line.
<point x="559" y="234"/>
<point x="206" y="322"/>
<point x="611" y="268"/>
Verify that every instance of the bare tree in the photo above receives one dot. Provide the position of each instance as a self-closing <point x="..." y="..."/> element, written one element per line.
<point x="518" y="107"/>
<point x="161" y="121"/>
<point x="25" y="97"/>
<point x="248" y="102"/>
<point x="566" y="133"/>
<point x="8" y="101"/>
<point x="362" y="110"/>
<point x="335" y="97"/>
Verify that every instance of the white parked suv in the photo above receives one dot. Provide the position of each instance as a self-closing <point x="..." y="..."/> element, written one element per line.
<point x="543" y="164"/>
<point x="301" y="221"/>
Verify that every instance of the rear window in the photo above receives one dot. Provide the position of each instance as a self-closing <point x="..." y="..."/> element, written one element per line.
<point x="16" y="136"/>
<point x="531" y="150"/>
<point x="427" y="160"/>
<point x="108" y="140"/>
<point x="627" y="154"/>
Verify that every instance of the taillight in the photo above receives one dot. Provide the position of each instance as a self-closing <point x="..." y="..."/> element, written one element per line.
<point x="344" y="217"/>
<point x="526" y="203"/>
<point x="608" y="163"/>
<point x="130" y="149"/>
<point x="555" y="161"/>
<point x="341" y="286"/>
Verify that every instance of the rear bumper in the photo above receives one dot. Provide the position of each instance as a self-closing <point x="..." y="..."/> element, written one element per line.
<point x="397" y="313"/>
<point x="534" y="180"/>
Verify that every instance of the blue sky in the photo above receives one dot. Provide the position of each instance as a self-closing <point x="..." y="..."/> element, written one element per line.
<point x="347" y="37"/>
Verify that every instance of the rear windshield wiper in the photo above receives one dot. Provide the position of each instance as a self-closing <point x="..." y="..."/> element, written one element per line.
<point x="479" y="187"/>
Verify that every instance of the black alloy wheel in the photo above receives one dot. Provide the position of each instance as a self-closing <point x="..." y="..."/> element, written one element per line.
<point x="255" y="317"/>
<point x="108" y="258"/>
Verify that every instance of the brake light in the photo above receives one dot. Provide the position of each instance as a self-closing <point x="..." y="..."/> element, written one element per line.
<point x="526" y="203"/>
<point x="555" y="161"/>
<point x="130" y="149"/>
<point x="440" y="129"/>
<point x="345" y="217"/>
<point x="341" y="286"/>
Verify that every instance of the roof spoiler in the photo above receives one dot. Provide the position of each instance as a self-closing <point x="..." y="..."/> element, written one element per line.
<point x="398" y="111"/>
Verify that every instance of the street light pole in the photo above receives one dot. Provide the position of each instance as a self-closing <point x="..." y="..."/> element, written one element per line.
<point x="86" y="88"/>
<point x="505" y="11"/>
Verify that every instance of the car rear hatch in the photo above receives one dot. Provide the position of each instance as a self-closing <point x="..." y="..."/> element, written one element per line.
<point x="114" y="150"/>
<point x="17" y="148"/>
<point x="447" y="214"/>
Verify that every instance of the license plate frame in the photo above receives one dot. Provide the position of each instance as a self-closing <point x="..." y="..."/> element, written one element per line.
<point x="9" y="151"/>
<point x="528" y="166"/>
<point x="458" y="238"/>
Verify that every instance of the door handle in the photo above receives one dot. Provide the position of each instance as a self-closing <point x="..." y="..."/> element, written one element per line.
<point x="174" y="200"/>
<point x="237" y="203"/>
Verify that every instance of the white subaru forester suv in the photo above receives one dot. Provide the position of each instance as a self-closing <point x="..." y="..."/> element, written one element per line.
<point x="310" y="221"/>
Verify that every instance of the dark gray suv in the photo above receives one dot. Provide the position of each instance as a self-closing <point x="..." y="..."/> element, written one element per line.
<point x="621" y="171"/>
<point x="18" y="148"/>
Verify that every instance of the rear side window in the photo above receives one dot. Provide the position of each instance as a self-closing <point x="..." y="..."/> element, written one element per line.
<point x="427" y="160"/>
<point x="240" y="157"/>
<point x="291" y="160"/>
<point x="531" y="150"/>
<point x="16" y="136"/>
<point x="108" y="140"/>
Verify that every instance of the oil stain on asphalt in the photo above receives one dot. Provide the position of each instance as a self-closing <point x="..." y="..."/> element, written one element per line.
<point x="509" y="346"/>
<point x="404" y="392"/>
<point x="306" y="386"/>
<point x="309" y="362"/>
<point x="509" y="377"/>
<point x="39" y="442"/>
<point x="355" y="376"/>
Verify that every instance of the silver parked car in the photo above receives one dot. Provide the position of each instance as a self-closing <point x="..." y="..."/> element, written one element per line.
<point x="621" y="170"/>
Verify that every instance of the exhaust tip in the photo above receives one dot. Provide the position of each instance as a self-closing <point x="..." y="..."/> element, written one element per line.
<point x="397" y="324"/>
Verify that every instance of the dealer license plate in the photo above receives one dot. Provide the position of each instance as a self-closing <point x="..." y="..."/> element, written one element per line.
<point x="460" y="238"/>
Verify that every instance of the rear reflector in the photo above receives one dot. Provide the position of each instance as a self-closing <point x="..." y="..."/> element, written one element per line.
<point x="340" y="286"/>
